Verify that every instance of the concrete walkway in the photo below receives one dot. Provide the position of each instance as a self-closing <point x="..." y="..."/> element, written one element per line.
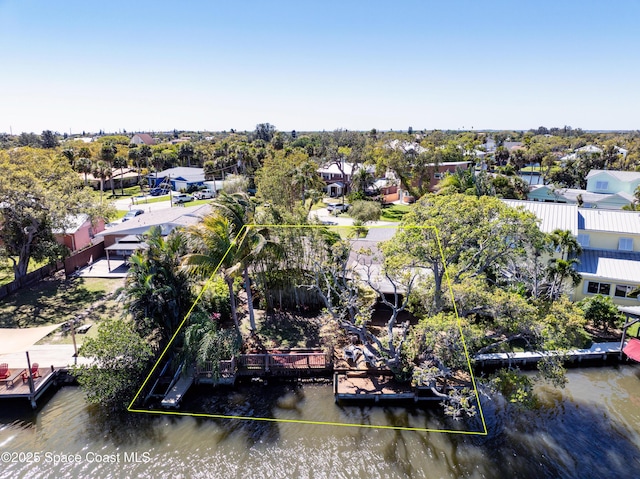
<point x="46" y="355"/>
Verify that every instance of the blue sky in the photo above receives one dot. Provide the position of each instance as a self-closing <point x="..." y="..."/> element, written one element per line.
<point x="210" y="65"/>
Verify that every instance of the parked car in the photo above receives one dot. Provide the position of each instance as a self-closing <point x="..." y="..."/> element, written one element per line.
<point x="181" y="198"/>
<point x="132" y="214"/>
<point x="337" y="207"/>
<point x="203" y="195"/>
<point x="159" y="191"/>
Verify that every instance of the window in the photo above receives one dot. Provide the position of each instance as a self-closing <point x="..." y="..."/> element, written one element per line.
<point x="602" y="185"/>
<point x="598" y="288"/>
<point x="625" y="244"/>
<point x="438" y="176"/>
<point x="583" y="240"/>
<point x="623" y="290"/>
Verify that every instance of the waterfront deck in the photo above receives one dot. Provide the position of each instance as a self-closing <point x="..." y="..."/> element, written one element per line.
<point x="362" y="387"/>
<point x="282" y="363"/>
<point x="597" y="351"/>
<point x="18" y="388"/>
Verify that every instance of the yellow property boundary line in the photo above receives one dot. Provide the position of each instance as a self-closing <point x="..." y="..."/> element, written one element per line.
<point x="243" y="232"/>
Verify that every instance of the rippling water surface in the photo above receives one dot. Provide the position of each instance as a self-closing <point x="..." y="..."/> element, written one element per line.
<point x="589" y="429"/>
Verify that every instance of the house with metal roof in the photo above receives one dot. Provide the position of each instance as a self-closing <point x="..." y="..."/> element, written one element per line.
<point x="610" y="260"/>
<point x="122" y="240"/>
<point x="613" y="181"/>
<point x="583" y="198"/>
<point x="607" y="189"/>
<point x="181" y="178"/>
<point x="551" y="216"/>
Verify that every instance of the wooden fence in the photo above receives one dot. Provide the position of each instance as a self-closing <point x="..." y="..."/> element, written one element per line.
<point x="70" y="265"/>
<point x="82" y="258"/>
<point x="29" y="279"/>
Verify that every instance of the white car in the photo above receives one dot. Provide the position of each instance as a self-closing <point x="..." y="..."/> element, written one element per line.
<point x="203" y="195"/>
<point x="338" y="207"/>
<point x="181" y="198"/>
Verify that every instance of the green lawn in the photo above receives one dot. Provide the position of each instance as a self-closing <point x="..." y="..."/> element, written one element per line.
<point x="53" y="301"/>
<point x="394" y="212"/>
<point x="6" y="270"/>
<point x="128" y="192"/>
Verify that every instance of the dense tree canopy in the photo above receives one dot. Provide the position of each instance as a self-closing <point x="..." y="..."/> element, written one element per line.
<point x="39" y="194"/>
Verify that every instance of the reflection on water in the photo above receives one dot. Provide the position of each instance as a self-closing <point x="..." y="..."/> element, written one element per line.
<point x="590" y="429"/>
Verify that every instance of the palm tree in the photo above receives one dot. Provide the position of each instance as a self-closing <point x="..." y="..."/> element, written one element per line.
<point x="120" y="162"/>
<point x="83" y="165"/>
<point x="101" y="170"/>
<point x="305" y="176"/>
<point x="134" y="156"/>
<point x="212" y="243"/>
<point x="145" y="153"/>
<point x="185" y="153"/>
<point x="204" y="342"/>
<point x="70" y="155"/>
<point x="228" y="239"/>
<point x="566" y="243"/>
<point x="108" y="154"/>
<point x="558" y="271"/>
<point x="361" y="180"/>
<point x="158" y="292"/>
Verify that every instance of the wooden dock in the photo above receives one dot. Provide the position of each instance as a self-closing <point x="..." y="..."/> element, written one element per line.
<point x="18" y="388"/>
<point x="292" y="363"/>
<point x="597" y="351"/>
<point x="283" y="364"/>
<point x="178" y="388"/>
<point x="362" y="387"/>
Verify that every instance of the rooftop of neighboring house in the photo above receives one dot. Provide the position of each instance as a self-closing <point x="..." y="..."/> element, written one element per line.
<point x="589" y="149"/>
<point x="624" y="176"/>
<point x="145" y="138"/>
<point x="513" y="145"/>
<point x="74" y="223"/>
<point x="115" y="174"/>
<point x="406" y="146"/>
<point x="552" y="216"/>
<point x="571" y="194"/>
<point x="186" y="172"/>
<point x="621" y="265"/>
<point x="168" y="219"/>
<point x="332" y="169"/>
<point x="613" y="221"/>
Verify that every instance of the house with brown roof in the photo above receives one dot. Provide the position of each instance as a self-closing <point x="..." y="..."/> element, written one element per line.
<point x="142" y="139"/>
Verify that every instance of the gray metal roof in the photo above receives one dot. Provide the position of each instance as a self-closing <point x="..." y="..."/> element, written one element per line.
<point x="168" y="219"/>
<point x="607" y="264"/>
<point x="625" y="176"/>
<point x="612" y="221"/>
<point x="552" y="216"/>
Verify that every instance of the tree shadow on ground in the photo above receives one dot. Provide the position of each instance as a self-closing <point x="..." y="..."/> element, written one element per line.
<point x="50" y="301"/>
<point x="290" y="330"/>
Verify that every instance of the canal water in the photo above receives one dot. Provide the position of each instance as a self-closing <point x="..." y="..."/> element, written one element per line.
<point x="590" y="429"/>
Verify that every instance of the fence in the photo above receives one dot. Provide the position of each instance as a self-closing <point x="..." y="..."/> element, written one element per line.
<point x="29" y="279"/>
<point x="82" y="258"/>
<point x="70" y="265"/>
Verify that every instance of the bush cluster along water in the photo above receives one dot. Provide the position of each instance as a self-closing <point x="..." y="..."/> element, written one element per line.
<point x="589" y="429"/>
